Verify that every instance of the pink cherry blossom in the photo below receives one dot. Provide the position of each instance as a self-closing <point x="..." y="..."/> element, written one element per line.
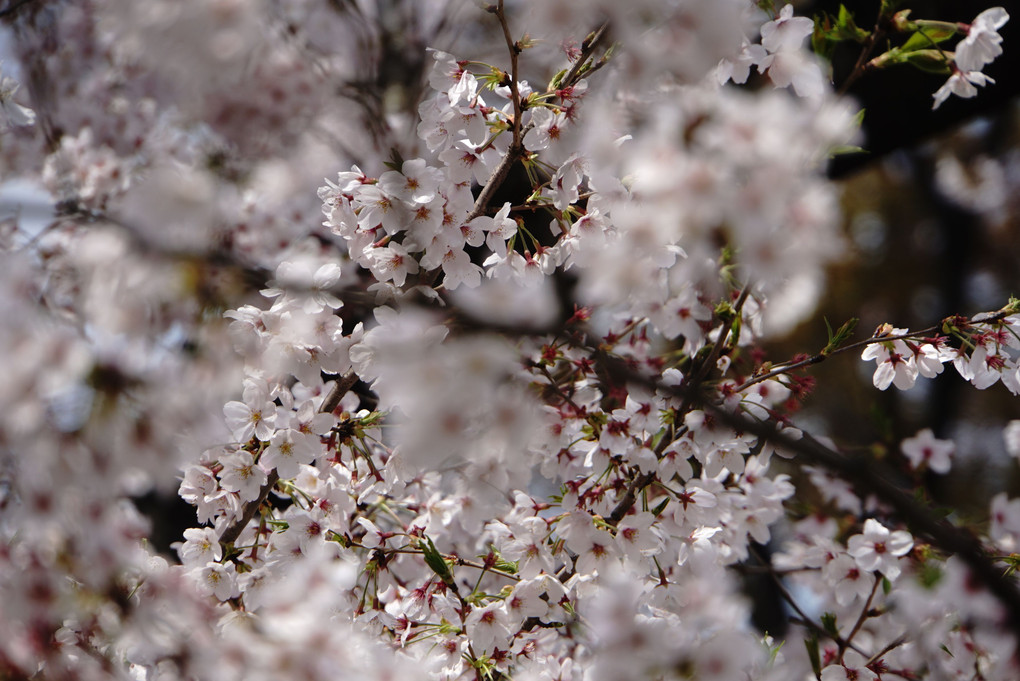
<point x="878" y="549"/>
<point x="924" y="449"/>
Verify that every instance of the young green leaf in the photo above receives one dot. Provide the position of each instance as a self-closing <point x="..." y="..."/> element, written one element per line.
<point x="929" y="37"/>
<point x="829" y="624"/>
<point x="436" y="562"/>
<point x="812" y="650"/>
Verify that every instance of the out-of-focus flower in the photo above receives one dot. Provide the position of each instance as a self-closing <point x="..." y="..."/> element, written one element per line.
<point x="925" y="448"/>
<point x="1012" y="437"/>
<point x="15" y="113"/>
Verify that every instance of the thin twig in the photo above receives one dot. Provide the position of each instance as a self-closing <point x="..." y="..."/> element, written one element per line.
<point x="804" y="619"/>
<point x="515" y="94"/>
<point x="231" y="534"/>
<point x="516" y="150"/>
<point x="860" y="620"/>
<point x="900" y="640"/>
<point x="821" y="357"/>
<point x="588" y="48"/>
<point x="706" y="365"/>
<point x="627" y="500"/>
<point x="862" y="59"/>
<point x="514" y="154"/>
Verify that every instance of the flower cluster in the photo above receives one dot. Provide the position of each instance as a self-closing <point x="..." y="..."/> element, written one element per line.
<point x="987" y="352"/>
<point x="503" y="410"/>
<point x="980" y="46"/>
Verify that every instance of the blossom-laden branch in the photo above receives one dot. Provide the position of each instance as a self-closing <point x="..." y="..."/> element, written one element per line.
<point x="872" y="478"/>
<point x="336" y="392"/>
<point x="959" y="324"/>
<point x="516" y="150"/>
<point x="527" y="498"/>
<point x="867" y="478"/>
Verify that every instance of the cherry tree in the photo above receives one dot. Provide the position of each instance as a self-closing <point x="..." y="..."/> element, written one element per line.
<point x="453" y="345"/>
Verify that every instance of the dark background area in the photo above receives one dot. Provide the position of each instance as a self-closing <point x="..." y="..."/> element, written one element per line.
<point x="916" y="256"/>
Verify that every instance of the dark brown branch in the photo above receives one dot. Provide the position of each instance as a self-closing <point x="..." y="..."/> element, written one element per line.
<point x="588" y="48"/>
<point x="627" y="501"/>
<point x="804" y="619"/>
<point x="514" y="154"/>
<point x="706" y="365"/>
<point x="516" y="150"/>
<point x="870" y="477"/>
<point x="231" y="534"/>
<point x="337" y="392"/>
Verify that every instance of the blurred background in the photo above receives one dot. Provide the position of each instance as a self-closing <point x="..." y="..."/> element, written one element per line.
<point x="932" y="224"/>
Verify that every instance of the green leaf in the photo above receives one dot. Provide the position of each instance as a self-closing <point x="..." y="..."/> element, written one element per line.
<point x="930" y="574"/>
<point x="436" y="562"/>
<point x="510" y="567"/>
<point x="812" y="650"/>
<point x="847" y="29"/>
<point x="724" y="311"/>
<point x="823" y="38"/>
<point x="886" y="585"/>
<point x="888" y="7"/>
<point x="774" y="651"/>
<point x="929" y="61"/>
<point x="557" y="80"/>
<point x="396" y="161"/>
<point x="929" y="37"/>
<point x="735" y="330"/>
<point x="829" y="624"/>
<point x="844" y="149"/>
<point x="339" y="539"/>
<point x="657" y="511"/>
<point x="840" y="336"/>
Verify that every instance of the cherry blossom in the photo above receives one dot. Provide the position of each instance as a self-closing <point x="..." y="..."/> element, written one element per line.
<point x="895" y="360"/>
<point x="878" y="549"/>
<point x="962" y="84"/>
<point x="242" y="475"/>
<point x="401" y="468"/>
<point x="851" y="669"/>
<point x="982" y="43"/>
<point x="1012" y="437"/>
<point x="924" y="449"/>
